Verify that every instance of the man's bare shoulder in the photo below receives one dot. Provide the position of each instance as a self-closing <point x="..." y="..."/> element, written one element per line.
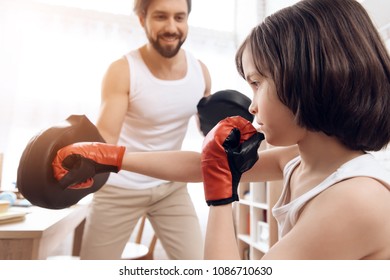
<point x="118" y="73"/>
<point x="119" y="65"/>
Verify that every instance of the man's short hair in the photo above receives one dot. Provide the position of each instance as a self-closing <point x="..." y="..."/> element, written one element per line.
<point x="141" y="6"/>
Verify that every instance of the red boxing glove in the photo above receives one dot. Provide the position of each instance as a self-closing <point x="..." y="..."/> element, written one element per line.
<point x="75" y="165"/>
<point x="229" y="149"/>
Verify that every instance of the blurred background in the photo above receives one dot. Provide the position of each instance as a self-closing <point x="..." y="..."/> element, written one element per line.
<point x="54" y="53"/>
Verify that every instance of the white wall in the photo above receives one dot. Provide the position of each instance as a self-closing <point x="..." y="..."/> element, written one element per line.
<point x="53" y="59"/>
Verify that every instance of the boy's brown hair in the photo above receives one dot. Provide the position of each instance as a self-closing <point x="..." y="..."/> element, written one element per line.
<point x="330" y="67"/>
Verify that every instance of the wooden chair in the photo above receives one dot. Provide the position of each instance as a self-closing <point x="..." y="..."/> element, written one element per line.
<point x="138" y="251"/>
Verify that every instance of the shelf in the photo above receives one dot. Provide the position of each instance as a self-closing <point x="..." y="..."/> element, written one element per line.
<point x="261" y="246"/>
<point x="260" y="205"/>
<point x="256" y="228"/>
<point x="244" y="237"/>
<point x="254" y="204"/>
<point x="245" y="202"/>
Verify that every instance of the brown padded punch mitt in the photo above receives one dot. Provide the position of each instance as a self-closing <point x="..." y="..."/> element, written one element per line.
<point x="220" y="105"/>
<point x="35" y="179"/>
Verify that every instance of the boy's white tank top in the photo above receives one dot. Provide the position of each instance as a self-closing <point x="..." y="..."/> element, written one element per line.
<point x="158" y="114"/>
<point x="287" y="214"/>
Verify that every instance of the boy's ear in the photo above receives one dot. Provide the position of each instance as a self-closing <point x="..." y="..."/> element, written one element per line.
<point x="142" y="20"/>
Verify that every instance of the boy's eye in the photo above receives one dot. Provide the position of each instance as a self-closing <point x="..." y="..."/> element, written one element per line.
<point x="254" y="84"/>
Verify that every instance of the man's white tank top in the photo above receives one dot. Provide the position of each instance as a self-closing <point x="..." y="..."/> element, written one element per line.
<point x="158" y="114"/>
<point x="287" y="214"/>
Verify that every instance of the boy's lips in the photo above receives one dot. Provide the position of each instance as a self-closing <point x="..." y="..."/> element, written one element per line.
<point x="258" y="126"/>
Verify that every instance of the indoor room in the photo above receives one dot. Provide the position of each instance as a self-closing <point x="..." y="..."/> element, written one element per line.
<point x="54" y="55"/>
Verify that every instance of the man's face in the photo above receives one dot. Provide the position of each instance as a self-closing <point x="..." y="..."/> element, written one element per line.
<point x="166" y="25"/>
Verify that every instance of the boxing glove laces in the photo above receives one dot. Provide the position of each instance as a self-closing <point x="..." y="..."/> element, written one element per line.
<point x="75" y="165"/>
<point x="229" y="149"/>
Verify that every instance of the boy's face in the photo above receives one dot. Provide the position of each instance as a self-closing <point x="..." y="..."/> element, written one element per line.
<point x="166" y="25"/>
<point x="275" y="120"/>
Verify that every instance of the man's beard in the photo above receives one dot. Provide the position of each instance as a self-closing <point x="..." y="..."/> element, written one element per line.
<point x="167" y="51"/>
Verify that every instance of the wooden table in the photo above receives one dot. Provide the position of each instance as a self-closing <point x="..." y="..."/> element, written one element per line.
<point x="41" y="232"/>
